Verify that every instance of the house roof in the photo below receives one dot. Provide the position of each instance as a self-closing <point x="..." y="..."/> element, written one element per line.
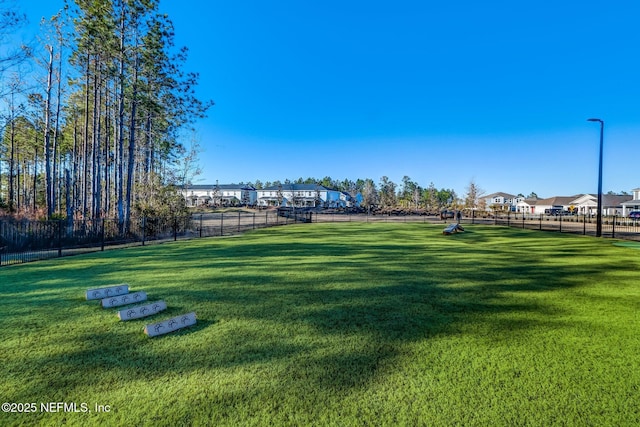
<point x="609" y="200"/>
<point x="297" y="187"/>
<point x="531" y="202"/>
<point x="614" y="199"/>
<point x="499" y="194"/>
<point x="220" y="187"/>
<point x="556" y="201"/>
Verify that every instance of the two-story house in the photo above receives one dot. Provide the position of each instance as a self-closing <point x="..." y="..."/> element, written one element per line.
<point x="501" y="202"/>
<point x="220" y="195"/>
<point x="300" y="195"/>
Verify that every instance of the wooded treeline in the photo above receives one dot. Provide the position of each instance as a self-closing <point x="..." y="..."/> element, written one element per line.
<point x="386" y="194"/>
<point x="92" y="130"/>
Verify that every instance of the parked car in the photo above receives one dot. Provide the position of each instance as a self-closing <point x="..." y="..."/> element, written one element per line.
<point x="634" y="214"/>
<point x="447" y="214"/>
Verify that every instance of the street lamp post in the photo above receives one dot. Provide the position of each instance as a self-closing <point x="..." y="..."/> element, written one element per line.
<point x="599" y="213"/>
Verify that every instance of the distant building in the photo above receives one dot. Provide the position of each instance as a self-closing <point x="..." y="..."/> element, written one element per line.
<point x="584" y="204"/>
<point x="556" y="203"/>
<point x="301" y="195"/>
<point x="527" y="206"/>
<point x="633" y="204"/>
<point x="220" y="195"/>
<point x="612" y="204"/>
<point x="501" y="202"/>
<point x="351" y="201"/>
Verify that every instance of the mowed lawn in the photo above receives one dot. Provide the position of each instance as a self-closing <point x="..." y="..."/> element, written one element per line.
<point x="334" y="324"/>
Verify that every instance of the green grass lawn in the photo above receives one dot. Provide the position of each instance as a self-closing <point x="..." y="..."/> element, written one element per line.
<point x="335" y="324"/>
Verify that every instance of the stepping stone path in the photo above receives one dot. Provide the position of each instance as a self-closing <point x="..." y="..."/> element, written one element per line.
<point x="118" y="295"/>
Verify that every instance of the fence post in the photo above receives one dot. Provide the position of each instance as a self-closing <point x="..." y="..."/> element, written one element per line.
<point x="59" y="223"/>
<point x="584" y="224"/>
<point x="540" y="222"/>
<point x="561" y="222"/>
<point x="254" y="220"/>
<point x="200" y="225"/>
<point x="144" y="228"/>
<point x="613" y="231"/>
<point x="523" y="220"/>
<point x="221" y="224"/>
<point x="238" y="221"/>
<point x="175" y="229"/>
<point x="102" y="236"/>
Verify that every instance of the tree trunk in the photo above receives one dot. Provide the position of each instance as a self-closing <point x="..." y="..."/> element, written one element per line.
<point x="47" y="136"/>
<point x="132" y="141"/>
<point x="95" y="142"/>
<point x="12" y="161"/>
<point x="85" y="164"/>
<point x="120" y="147"/>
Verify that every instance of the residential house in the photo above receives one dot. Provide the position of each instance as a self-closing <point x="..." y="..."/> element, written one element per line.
<point x="612" y="204"/>
<point x="563" y="203"/>
<point x="198" y="195"/>
<point x="220" y="195"/>
<point x="237" y="195"/>
<point x="539" y="206"/>
<point x="300" y="195"/>
<point x="528" y="206"/>
<point x="585" y="204"/>
<point x="502" y="202"/>
<point x="350" y="201"/>
<point x="633" y="204"/>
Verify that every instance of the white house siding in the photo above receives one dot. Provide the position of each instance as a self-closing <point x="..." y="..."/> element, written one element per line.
<point x="508" y="202"/>
<point x="304" y="195"/>
<point x="586" y="204"/>
<point x="198" y="195"/>
<point x="527" y="206"/>
<point x="633" y="204"/>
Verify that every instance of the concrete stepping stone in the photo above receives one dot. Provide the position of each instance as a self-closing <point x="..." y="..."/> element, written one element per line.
<point x="125" y="299"/>
<point x="170" y="325"/>
<point x="142" y="310"/>
<point x="111" y="291"/>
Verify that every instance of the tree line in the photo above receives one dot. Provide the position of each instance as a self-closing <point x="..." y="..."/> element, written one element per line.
<point x="93" y="112"/>
<point x="386" y="194"/>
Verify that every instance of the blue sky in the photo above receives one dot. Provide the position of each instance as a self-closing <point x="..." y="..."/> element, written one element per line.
<point x="446" y="92"/>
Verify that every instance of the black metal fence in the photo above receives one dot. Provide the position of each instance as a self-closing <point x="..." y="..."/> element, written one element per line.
<point x="615" y="227"/>
<point x="612" y="227"/>
<point x="24" y="241"/>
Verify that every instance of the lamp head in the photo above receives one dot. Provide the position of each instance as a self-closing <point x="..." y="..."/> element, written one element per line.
<point x="594" y="120"/>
